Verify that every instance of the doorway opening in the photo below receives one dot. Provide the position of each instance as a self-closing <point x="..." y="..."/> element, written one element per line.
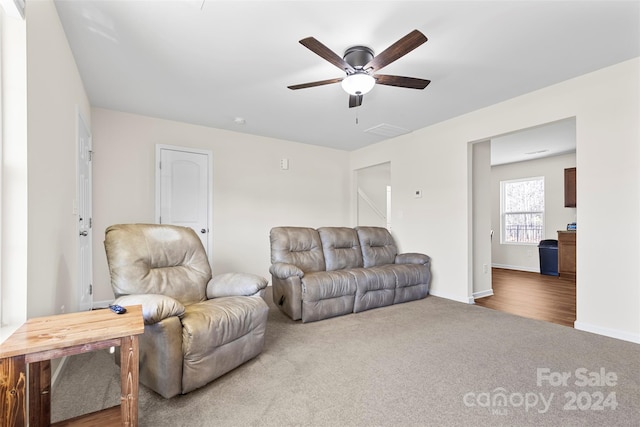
<point x="506" y="275"/>
<point x="374" y="195"/>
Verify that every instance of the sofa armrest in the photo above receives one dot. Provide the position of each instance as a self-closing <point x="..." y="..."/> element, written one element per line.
<point x="283" y="270"/>
<point x="236" y="284"/>
<point x="412" y="258"/>
<point x="155" y="307"/>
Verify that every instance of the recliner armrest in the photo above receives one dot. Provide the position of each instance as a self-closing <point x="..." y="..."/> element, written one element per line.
<point x="283" y="270"/>
<point x="155" y="307"/>
<point x="236" y="284"/>
<point x="412" y="258"/>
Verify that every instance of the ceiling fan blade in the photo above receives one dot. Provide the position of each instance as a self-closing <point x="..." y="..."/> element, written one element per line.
<point x="355" y="100"/>
<point x="313" y="84"/>
<point x="324" y="52"/>
<point x="401" y="81"/>
<point x="397" y="50"/>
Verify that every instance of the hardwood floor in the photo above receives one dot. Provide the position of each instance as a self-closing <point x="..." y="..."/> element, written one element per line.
<point x="533" y="295"/>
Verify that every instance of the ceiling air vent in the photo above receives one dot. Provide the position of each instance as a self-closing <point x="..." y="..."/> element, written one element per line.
<point x="388" y="131"/>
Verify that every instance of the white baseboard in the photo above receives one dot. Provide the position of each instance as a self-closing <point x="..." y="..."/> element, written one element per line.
<point x="482" y="294"/>
<point x="451" y="297"/>
<point x="607" y="332"/>
<point x="516" y="267"/>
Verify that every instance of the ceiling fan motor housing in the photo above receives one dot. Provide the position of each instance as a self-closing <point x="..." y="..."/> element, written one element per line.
<point x="358" y="56"/>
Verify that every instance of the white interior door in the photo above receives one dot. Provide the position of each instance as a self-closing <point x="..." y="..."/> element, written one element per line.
<point x="85" y="236"/>
<point x="183" y="189"/>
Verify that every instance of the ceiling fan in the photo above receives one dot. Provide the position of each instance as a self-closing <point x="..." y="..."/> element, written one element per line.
<point x="360" y="65"/>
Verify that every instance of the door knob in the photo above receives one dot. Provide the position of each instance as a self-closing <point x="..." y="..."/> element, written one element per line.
<point x="203" y="231"/>
<point x="84" y="233"/>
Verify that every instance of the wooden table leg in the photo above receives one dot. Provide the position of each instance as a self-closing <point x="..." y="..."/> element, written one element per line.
<point x="129" y="380"/>
<point x="13" y="388"/>
<point x="40" y="393"/>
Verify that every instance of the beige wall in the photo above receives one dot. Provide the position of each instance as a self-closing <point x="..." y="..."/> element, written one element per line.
<point x="556" y="216"/>
<point x="250" y="192"/>
<point x="55" y="96"/>
<point x="13" y="260"/>
<point x="436" y="159"/>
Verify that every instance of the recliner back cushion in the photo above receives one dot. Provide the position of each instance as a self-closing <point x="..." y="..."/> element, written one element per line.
<point x="341" y="248"/>
<point x="300" y="246"/>
<point x="157" y="259"/>
<point x="378" y="246"/>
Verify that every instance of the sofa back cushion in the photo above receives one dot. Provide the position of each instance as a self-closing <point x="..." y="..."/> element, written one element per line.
<point x="341" y="248"/>
<point x="157" y="259"/>
<point x="378" y="247"/>
<point x="300" y="246"/>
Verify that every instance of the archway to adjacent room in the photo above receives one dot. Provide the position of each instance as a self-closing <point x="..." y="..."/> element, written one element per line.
<point x="506" y="275"/>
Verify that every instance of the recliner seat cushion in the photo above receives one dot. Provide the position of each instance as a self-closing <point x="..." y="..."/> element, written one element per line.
<point x="212" y="323"/>
<point x="220" y="334"/>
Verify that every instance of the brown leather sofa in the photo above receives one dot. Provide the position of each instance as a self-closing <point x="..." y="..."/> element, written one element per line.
<point x="197" y="328"/>
<point x="331" y="271"/>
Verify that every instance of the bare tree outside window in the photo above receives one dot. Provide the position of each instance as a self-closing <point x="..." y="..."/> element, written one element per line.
<point x="523" y="210"/>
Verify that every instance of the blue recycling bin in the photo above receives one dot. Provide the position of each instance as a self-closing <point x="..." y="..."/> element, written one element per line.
<point x="548" y="257"/>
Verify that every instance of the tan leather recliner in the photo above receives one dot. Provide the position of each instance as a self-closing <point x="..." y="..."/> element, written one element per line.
<point x="196" y="328"/>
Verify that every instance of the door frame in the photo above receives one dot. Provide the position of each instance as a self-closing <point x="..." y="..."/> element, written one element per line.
<point x="81" y="292"/>
<point x="209" y="154"/>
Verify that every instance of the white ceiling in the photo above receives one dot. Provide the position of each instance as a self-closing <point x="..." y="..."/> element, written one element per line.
<point x="551" y="139"/>
<point x="213" y="62"/>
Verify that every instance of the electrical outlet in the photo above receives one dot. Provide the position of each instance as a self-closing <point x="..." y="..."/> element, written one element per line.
<point x="485" y="268"/>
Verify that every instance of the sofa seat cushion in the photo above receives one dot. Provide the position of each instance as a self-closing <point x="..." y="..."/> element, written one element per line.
<point x="375" y="287"/>
<point x="327" y="294"/>
<point x="213" y="323"/>
<point x="327" y="284"/>
<point x="412" y="281"/>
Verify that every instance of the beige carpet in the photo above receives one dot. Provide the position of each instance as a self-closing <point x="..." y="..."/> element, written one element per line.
<point x="431" y="362"/>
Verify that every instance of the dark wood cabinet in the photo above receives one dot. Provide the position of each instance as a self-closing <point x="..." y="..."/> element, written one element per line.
<point x="567" y="254"/>
<point x="570" y="188"/>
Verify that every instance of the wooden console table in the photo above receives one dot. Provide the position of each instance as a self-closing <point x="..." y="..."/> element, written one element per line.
<point x="41" y="339"/>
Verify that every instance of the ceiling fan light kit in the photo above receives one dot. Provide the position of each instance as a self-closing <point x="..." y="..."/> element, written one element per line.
<point x="360" y="64"/>
<point x="358" y="83"/>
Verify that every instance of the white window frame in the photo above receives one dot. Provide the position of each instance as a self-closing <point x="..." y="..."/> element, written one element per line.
<point x="503" y="234"/>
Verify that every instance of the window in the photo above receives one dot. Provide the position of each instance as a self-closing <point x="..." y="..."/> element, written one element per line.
<point x="522" y="210"/>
